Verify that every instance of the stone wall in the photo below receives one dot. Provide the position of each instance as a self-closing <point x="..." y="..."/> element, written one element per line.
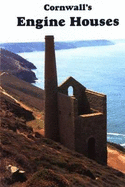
<point x="67" y="110"/>
<point x="85" y="133"/>
<point x="78" y="92"/>
<point x="78" y="122"/>
<point x="97" y="101"/>
<point x="91" y="126"/>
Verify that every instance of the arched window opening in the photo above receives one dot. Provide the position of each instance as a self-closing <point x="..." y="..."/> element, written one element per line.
<point x="70" y="91"/>
<point x="91" y="148"/>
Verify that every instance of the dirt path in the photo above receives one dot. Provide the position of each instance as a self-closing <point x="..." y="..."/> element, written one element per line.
<point x="3" y="73"/>
<point x="116" y="159"/>
<point x="37" y="114"/>
<point x="21" y="104"/>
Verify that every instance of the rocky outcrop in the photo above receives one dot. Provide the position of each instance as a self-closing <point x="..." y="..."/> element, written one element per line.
<point x="16" y="65"/>
<point x="26" y="75"/>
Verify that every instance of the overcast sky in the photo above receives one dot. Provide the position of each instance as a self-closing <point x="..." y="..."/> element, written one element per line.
<point x="34" y="9"/>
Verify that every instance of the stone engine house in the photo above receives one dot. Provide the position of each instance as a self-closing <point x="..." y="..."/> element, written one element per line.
<point x="79" y="121"/>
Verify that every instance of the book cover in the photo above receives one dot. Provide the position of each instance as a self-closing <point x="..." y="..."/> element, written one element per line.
<point x="63" y="64"/>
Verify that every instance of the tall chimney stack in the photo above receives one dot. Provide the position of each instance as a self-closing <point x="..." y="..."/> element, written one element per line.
<point x="51" y="88"/>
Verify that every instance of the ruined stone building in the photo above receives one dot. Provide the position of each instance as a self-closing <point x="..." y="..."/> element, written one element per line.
<point x="78" y="121"/>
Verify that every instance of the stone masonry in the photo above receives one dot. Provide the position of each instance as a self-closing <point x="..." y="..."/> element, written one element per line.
<point x="79" y="122"/>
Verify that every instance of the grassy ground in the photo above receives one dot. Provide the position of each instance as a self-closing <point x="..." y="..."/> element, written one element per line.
<point x="49" y="164"/>
<point x="46" y="163"/>
<point x="23" y="91"/>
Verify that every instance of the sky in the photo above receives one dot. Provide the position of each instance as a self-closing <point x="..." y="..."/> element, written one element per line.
<point x="34" y="9"/>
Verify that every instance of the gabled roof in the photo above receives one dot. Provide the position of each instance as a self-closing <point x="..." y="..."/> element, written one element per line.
<point x="70" y="81"/>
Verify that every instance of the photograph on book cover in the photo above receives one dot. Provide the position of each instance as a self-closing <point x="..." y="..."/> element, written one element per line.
<point x="61" y="79"/>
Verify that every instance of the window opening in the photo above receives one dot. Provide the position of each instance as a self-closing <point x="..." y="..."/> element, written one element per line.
<point x="70" y="91"/>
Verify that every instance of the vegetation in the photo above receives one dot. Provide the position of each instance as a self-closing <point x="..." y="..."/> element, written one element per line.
<point x="46" y="163"/>
<point x="23" y="91"/>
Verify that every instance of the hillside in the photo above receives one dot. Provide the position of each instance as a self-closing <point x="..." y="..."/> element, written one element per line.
<point x="44" y="162"/>
<point x="40" y="46"/>
<point x="22" y="91"/>
<point x="28" y="96"/>
<point x="16" y="65"/>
